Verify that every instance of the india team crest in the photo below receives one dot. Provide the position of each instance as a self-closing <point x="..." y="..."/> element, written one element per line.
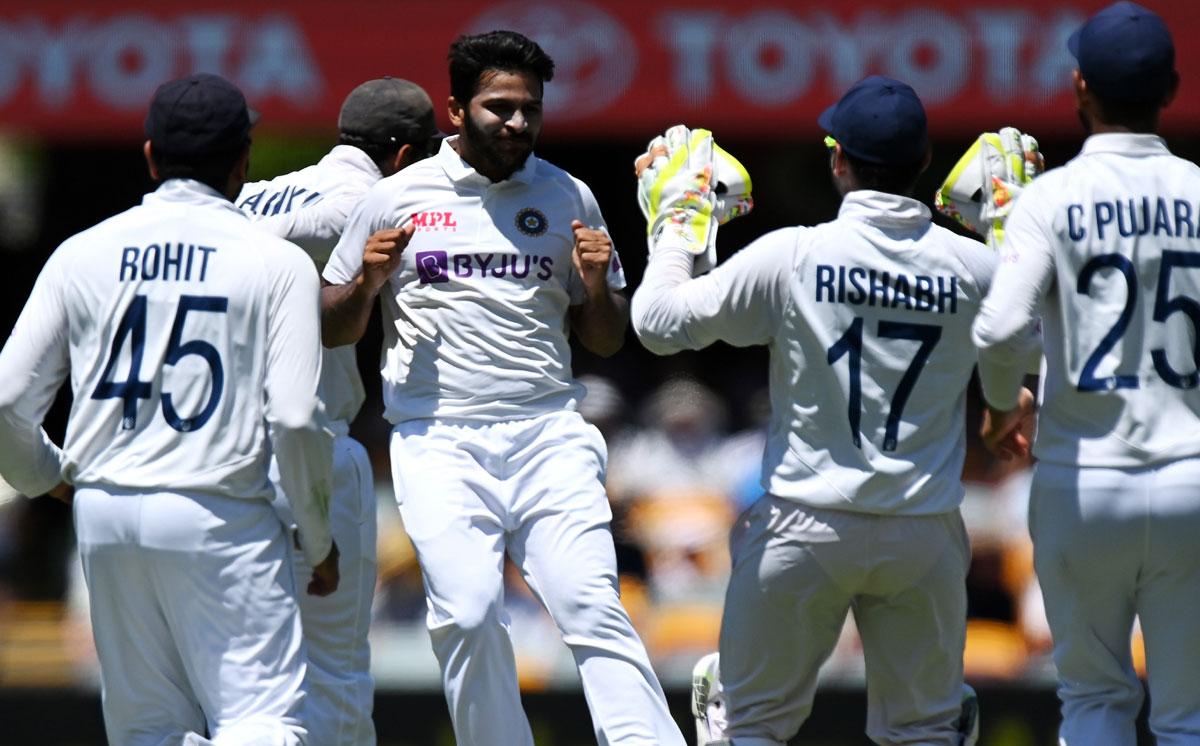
<point x="531" y="221"/>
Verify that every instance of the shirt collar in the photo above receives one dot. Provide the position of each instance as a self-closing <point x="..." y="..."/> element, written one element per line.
<point x="460" y="171"/>
<point x="1125" y="143"/>
<point x="884" y="210"/>
<point x="355" y="158"/>
<point x="189" y="191"/>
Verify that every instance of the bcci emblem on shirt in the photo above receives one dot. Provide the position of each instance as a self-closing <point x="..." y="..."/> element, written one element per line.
<point x="531" y="221"/>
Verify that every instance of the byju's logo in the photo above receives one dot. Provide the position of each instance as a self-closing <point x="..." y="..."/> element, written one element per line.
<point x="431" y="267"/>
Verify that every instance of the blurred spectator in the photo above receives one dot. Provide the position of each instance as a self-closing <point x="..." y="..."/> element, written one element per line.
<point x="679" y="453"/>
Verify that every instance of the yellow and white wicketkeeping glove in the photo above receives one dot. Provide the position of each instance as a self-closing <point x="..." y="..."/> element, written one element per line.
<point x="690" y="190"/>
<point x="982" y="187"/>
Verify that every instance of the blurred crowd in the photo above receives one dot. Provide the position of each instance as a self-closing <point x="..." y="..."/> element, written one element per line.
<point x="678" y="476"/>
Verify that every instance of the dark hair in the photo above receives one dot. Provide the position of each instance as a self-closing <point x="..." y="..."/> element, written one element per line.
<point x="900" y="180"/>
<point x="379" y="153"/>
<point x="212" y="170"/>
<point x="382" y="153"/>
<point x="471" y="56"/>
<point x="1139" y="116"/>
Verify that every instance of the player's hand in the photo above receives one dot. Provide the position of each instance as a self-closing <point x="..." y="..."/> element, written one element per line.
<point x="1008" y="434"/>
<point x="325" y="576"/>
<point x="983" y="186"/>
<point x="592" y="255"/>
<point x="382" y="255"/>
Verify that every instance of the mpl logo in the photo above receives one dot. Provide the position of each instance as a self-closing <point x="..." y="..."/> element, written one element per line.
<point x="435" y="220"/>
<point x="432" y="267"/>
<point x="595" y="58"/>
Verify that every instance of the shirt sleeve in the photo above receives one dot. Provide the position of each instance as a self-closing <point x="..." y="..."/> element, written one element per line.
<point x="314" y="227"/>
<point x="1006" y="329"/>
<point x="591" y="216"/>
<point x="300" y="437"/>
<point x="741" y="302"/>
<point x="33" y="365"/>
<point x="370" y="215"/>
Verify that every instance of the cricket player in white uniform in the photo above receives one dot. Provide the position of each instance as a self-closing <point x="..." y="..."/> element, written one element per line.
<point x="1106" y="250"/>
<point x="500" y="255"/>
<point x="384" y="125"/>
<point x="868" y="321"/>
<point x="190" y="339"/>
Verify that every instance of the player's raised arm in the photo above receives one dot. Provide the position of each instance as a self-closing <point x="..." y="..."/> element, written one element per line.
<point x="294" y="414"/>
<point x="33" y="365"/>
<point x="361" y="265"/>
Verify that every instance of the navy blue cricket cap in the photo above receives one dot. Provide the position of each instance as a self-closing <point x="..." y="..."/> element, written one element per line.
<point x="1125" y="53"/>
<point x="199" y="115"/>
<point x="879" y="120"/>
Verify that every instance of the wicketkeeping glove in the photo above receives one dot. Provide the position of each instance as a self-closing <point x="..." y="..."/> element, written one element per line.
<point x="688" y="192"/>
<point x="982" y="187"/>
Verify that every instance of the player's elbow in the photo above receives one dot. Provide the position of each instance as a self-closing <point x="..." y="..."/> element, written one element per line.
<point x="653" y="324"/>
<point x="302" y="414"/>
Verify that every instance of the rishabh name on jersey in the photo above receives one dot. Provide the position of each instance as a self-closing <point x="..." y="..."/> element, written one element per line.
<point x="870" y="368"/>
<point x="310" y="208"/>
<point x="476" y="318"/>
<point x="1121" y="223"/>
<point x="168" y="304"/>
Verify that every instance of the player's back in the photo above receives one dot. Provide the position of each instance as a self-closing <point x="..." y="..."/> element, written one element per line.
<point x="168" y="307"/>
<point x="1122" y="320"/>
<point x="870" y="370"/>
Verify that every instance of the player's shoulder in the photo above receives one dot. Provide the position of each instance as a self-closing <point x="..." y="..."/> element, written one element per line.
<point x="972" y="258"/>
<point x="556" y="178"/>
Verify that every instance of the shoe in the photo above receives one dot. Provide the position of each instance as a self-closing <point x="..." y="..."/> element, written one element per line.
<point x="708" y="702"/>
<point x="968" y="719"/>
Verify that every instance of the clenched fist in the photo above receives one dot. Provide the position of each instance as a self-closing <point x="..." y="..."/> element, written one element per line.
<point x="382" y="255"/>
<point x="592" y="255"/>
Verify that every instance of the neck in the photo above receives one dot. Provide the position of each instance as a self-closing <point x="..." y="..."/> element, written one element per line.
<point x="473" y="160"/>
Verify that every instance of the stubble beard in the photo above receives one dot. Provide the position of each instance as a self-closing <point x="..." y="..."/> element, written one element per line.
<point x="493" y="158"/>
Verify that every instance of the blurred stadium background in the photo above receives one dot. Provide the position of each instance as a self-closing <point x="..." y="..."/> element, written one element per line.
<point x="685" y="433"/>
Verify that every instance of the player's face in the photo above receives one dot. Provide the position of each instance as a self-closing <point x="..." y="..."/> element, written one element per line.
<point x="501" y="122"/>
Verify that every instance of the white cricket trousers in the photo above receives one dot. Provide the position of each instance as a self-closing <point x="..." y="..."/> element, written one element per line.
<point x="194" y="615"/>
<point x="797" y="571"/>
<point x="340" y="690"/>
<point x="534" y="488"/>
<point x="1109" y="544"/>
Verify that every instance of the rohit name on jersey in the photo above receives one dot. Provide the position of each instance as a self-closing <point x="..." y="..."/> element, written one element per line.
<point x="169" y="262"/>
<point x="860" y="286"/>
<point x="1162" y="216"/>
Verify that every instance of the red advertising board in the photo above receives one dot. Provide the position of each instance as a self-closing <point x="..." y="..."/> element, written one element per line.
<point x="755" y="68"/>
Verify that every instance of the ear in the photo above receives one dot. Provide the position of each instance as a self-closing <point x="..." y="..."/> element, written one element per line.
<point x="838" y="163"/>
<point x="456" y="111"/>
<point x="237" y="178"/>
<point x="148" y="152"/>
<point x="1081" y="88"/>
<point x="403" y="157"/>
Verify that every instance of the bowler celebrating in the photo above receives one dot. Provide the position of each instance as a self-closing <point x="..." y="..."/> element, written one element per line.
<point x="499" y="254"/>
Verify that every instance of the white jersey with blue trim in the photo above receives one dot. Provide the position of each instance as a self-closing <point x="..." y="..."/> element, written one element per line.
<point x="1106" y="249"/>
<point x="868" y="321"/>
<point x="310" y="208"/>
<point x="476" y="318"/>
<point x="191" y="340"/>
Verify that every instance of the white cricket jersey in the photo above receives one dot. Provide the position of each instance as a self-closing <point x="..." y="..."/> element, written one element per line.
<point x="868" y="320"/>
<point x="310" y="208"/>
<point x="1106" y="249"/>
<point x="192" y="343"/>
<point x="475" y="319"/>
